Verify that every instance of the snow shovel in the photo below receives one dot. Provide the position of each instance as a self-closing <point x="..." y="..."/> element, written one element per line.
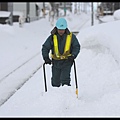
<point x="75" y="79"/>
<point x="45" y="77"/>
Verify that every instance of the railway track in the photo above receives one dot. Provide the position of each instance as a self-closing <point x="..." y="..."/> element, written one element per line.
<point x="15" y="79"/>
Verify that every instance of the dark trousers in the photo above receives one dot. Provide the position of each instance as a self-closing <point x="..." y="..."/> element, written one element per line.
<point x="61" y="75"/>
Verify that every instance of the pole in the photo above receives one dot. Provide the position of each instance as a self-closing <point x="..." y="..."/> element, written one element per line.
<point x="44" y="77"/>
<point x="28" y="12"/>
<point x="76" y="79"/>
<point x="65" y="8"/>
<point x="92" y="14"/>
<point x="10" y="8"/>
<point x="44" y="9"/>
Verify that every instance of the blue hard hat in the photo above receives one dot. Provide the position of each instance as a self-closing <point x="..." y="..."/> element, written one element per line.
<point x="61" y="24"/>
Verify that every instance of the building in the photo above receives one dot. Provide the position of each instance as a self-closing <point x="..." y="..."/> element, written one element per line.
<point x="108" y="8"/>
<point x="30" y="10"/>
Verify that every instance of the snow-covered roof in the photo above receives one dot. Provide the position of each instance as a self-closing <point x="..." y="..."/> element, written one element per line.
<point x="4" y="13"/>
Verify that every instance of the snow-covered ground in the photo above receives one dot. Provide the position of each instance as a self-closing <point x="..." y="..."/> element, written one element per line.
<point x="98" y="71"/>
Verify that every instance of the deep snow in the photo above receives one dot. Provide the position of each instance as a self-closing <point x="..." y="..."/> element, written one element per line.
<point x="98" y="71"/>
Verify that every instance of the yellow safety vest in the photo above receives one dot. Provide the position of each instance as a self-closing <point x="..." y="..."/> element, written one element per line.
<point x="57" y="55"/>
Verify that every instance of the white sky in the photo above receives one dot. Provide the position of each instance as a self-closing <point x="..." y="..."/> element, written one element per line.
<point x="97" y="65"/>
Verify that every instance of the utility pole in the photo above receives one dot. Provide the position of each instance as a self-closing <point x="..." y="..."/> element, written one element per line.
<point x="44" y="9"/>
<point x="10" y="8"/>
<point x="28" y="12"/>
<point x="64" y="8"/>
<point x="92" y="14"/>
<point x="113" y="7"/>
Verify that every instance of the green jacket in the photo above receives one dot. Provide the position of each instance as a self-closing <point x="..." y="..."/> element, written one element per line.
<point x="48" y="45"/>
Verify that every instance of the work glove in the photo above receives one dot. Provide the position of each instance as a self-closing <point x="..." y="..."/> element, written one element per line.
<point x="71" y="58"/>
<point x="48" y="61"/>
